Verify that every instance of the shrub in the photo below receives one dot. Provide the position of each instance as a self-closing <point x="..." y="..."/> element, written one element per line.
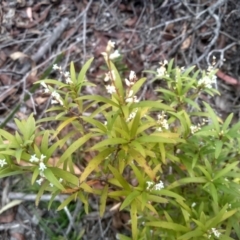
<point x="172" y="164"/>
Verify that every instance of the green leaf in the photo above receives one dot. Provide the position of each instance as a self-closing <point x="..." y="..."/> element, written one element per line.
<point x="67" y="176"/>
<point x="135" y="124"/>
<point x="41" y="191"/>
<point x="192" y="235"/>
<point x="103" y="200"/>
<point x="52" y="179"/>
<point x="142" y="162"/>
<point x="111" y="141"/>
<point x="184" y="181"/>
<point x="213" y="192"/>
<point x="167" y="137"/>
<point x="134" y="220"/>
<point x="163" y="153"/>
<point x="128" y="200"/>
<point x="67" y="201"/>
<point x="62" y="125"/>
<point x="227" y="122"/>
<point x="213" y="117"/>
<point x="153" y="104"/>
<point x="157" y="199"/>
<point x="82" y="74"/>
<point x="73" y="147"/>
<point x="168" y="225"/>
<point x="225" y="170"/>
<point x="73" y="72"/>
<point x="98" y="99"/>
<point x="120" y="178"/>
<point x="95" y="123"/>
<point x="93" y="164"/>
<point x="218" y="148"/>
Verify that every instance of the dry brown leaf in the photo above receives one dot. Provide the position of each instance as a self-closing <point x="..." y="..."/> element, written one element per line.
<point x="19" y="55"/>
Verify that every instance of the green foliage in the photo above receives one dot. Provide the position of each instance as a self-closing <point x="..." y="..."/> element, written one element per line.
<point x="171" y="164"/>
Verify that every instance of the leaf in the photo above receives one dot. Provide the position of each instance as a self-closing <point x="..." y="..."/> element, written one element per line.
<point x="67" y="176"/>
<point x="127" y="201"/>
<point x="227" y="122"/>
<point x="134" y="220"/>
<point x="225" y="170"/>
<point x="213" y="117"/>
<point x="103" y="200"/>
<point x="142" y="162"/>
<point x="52" y="179"/>
<point x="82" y="74"/>
<point x="162" y="151"/>
<point x="218" y="148"/>
<point x="98" y="98"/>
<point x="213" y="192"/>
<point x="62" y="125"/>
<point x="67" y="201"/>
<point x="153" y="104"/>
<point x="10" y="205"/>
<point x="111" y="141"/>
<point x="73" y="147"/>
<point x="168" y="225"/>
<point x="72" y="72"/>
<point x="93" y="164"/>
<point x="41" y="191"/>
<point x="119" y="178"/>
<point x="184" y="181"/>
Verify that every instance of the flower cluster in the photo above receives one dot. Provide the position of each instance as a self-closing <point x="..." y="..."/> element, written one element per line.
<point x="132" y="115"/>
<point x="57" y="99"/>
<point x="66" y="74"/>
<point x="162" y="122"/>
<point x="161" y="71"/>
<point x="130" y="82"/>
<point x="3" y="162"/>
<point x="207" y="81"/>
<point x="152" y="186"/>
<point x="215" y="232"/>
<point x="195" y="128"/>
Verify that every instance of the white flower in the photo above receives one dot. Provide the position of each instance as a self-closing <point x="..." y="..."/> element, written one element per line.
<point x="149" y="184"/>
<point x="162" y="122"/>
<point x="207" y="81"/>
<point x="56" y="67"/>
<point x="66" y="74"/>
<point x="68" y="80"/>
<point x="128" y="83"/>
<point x="161" y="71"/>
<point x="55" y="94"/>
<point x="114" y="55"/>
<point x="42" y="166"/>
<point x="193" y="204"/>
<point x="110" y="46"/>
<point x="51" y="185"/>
<point x="132" y="76"/>
<point x="159" y="186"/>
<point x="130" y="93"/>
<point x="216" y="232"/>
<point x="53" y="101"/>
<point x="34" y="158"/>
<point x="42" y="157"/>
<point x="132" y="99"/>
<point x="60" y="180"/>
<point x="39" y="181"/>
<point x="3" y="162"/>
<point x="111" y="89"/>
<point x="46" y="90"/>
<point x="194" y="129"/>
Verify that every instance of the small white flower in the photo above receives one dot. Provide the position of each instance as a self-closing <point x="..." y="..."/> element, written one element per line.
<point x="130" y="93"/>
<point x="66" y="74"/>
<point x="110" y="46"/>
<point x="216" y="232"/>
<point x="159" y="186"/>
<point x="194" y="129"/>
<point x="53" y="101"/>
<point x="162" y="122"/>
<point x="161" y="71"/>
<point x="111" y="89"/>
<point x="68" y="80"/>
<point x="42" y="166"/>
<point x="42" y="174"/>
<point x="60" y="180"/>
<point x="39" y="181"/>
<point x="149" y="184"/>
<point x="193" y="204"/>
<point x="55" y="94"/>
<point x="42" y="157"/>
<point x="51" y="185"/>
<point x="3" y="162"/>
<point x="34" y="158"/>
<point x="56" y="67"/>
<point x="132" y="76"/>
<point x="128" y="83"/>
<point x="114" y="55"/>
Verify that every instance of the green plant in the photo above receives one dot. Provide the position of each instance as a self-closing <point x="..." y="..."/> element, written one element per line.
<point x="173" y="166"/>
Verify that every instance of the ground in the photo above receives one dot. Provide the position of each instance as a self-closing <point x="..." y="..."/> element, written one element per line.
<point x="36" y="34"/>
